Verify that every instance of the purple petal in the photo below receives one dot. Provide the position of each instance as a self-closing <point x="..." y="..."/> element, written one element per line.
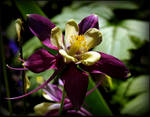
<point x="88" y="22"/>
<point x="40" y="61"/>
<point x="108" y="65"/>
<point x="54" y="92"/>
<point x="54" y="112"/>
<point x="41" y="27"/>
<point x="75" y="83"/>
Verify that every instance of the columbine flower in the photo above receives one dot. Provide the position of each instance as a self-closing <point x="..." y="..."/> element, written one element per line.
<point x="54" y="94"/>
<point x="73" y="50"/>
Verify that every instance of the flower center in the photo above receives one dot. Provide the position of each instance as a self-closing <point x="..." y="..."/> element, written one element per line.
<point x="78" y="45"/>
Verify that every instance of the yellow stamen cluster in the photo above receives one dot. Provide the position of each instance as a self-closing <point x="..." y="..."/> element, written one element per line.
<point x="78" y="44"/>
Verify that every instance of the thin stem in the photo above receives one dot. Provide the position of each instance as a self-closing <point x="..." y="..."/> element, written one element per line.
<point x="5" y="74"/>
<point x="62" y="102"/>
<point x="20" y="40"/>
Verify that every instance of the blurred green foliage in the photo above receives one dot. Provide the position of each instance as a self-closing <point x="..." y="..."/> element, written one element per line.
<point x="119" y="37"/>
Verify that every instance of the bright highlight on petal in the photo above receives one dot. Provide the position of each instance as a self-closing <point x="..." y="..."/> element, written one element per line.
<point x="71" y="28"/>
<point x="57" y="37"/>
<point x="89" y="58"/>
<point x="67" y="58"/>
<point x="93" y="37"/>
<point x="46" y="96"/>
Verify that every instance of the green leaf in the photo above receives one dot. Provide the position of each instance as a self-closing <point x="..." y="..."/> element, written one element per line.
<point x="137" y="28"/>
<point x="119" y="4"/>
<point x="119" y="39"/>
<point x="139" y="85"/>
<point x="32" y="76"/>
<point x="115" y="42"/>
<point x="96" y="102"/>
<point x="133" y="95"/>
<point x="28" y="7"/>
<point x="30" y="46"/>
<point x="11" y="30"/>
<point x="137" y="106"/>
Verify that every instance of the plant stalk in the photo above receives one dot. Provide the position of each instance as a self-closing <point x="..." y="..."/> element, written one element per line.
<point x="5" y="73"/>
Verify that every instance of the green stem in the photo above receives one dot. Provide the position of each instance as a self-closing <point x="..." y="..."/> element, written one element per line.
<point x="62" y="102"/>
<point x="5" y="73"/>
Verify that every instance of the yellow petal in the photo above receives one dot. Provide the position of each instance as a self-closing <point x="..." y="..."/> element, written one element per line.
<point x="89" y="58"/>
<point x="56" y="37"/>
<point x="42" y="108"/>
<point x="71" y="28"/>
<point x="19" y="28"/>
<point x="67" y="58"/>
<point x="93" y="37"/>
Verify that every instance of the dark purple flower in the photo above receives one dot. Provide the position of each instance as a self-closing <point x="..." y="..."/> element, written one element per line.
<point x="73" y="51"/>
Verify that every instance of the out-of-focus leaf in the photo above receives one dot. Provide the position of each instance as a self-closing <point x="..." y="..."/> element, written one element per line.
<point x="11" y="30"/>
<point x="28" y="7"/>
<point x="137" y="28"/>
<point x="115" y="42"/>
<point x="46" y="74"/>
<point x="119" y="39"/>
<point x="137" y="106"/>
<point x="120" y="93"/>
<point x="96" y="103"/>
<point x="139" y="85"/>
<point x="118" y="4"/>
<point x="133" y="95"/>
<point x="30" y="46"/>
